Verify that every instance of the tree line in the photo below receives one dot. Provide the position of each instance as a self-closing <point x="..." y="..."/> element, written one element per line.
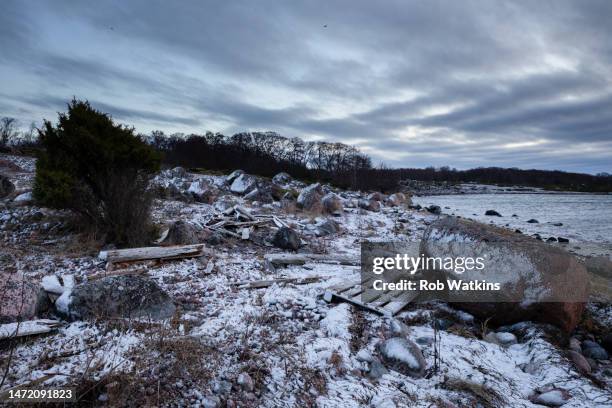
<point x="268" y="153"/>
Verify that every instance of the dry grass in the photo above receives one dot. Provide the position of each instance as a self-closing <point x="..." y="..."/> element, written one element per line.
<point x="484" y="395"/>
<point x="359" y="330"/>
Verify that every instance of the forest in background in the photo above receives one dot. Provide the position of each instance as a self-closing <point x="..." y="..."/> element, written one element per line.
<point x="268" y="153"/>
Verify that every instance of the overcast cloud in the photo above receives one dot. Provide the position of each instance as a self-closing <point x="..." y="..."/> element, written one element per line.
<point x="413" y="83"/>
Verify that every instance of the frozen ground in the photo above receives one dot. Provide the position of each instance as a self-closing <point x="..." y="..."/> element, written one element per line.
<point x="277" y="346"/>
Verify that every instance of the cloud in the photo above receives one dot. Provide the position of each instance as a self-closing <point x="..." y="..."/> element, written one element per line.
<point x="464" y="84"/>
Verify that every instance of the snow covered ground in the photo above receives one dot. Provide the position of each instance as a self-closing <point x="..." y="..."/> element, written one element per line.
<point x="277" y="346"/>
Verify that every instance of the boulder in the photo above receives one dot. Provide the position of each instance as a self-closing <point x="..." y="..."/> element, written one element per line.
<point x="533" y="221"/>
<point x="332" y="204"/>
<point x="265" y="192"/>
<point x="23" y="198"/>
<point x="403" y="356"/>
<point x="434" y="209"/>
<point x="181" y="233"/>
<point x="369" y="204"/>
<point x="6" y="186"/>
<point x="398" y="199"/>
<point x="310" y="198"/>
<point x="593" y="350"/>
<point x="376" y="369"/>
<point x="126" y="296"/>
<point x="243" y="184"/>
<point x="376" y="196"/>
<point x="281" y="178"/>
<point x="260" y="195"/>
<point x="579" y="361"/>
<point x="492" y="213"/>
<point x="327" y="227"/>
<point x="233" y="176"/>
<point x="203" y="192"/>
<point x="286" y="238"/>
<point x="537" y="281"/>
<point x="504" y="339"/>
<point x="551" y="397"/>
<point x="20" y="298"/>
<point x="599" y="265"/>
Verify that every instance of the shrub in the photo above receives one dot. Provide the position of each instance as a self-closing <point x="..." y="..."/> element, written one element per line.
<point x="98" y="169"/>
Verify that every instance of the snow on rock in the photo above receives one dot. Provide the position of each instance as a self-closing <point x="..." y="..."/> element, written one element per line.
<point x="51" y="283"/>
<point x="403" y="355"/>
<point x="555" y="397"/>
<point x="243" y="184"/>
<point x="23" y="198"/>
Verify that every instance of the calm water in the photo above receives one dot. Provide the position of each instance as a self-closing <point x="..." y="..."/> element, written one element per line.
<point x="586" y="218"/>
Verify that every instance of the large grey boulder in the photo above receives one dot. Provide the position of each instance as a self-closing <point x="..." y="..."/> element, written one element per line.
<point x="281" y="178"/>
<point x="181" y="233"/>
<point x="537" y="281"/>
<point x="332" y="204"/>
<point x="265" y="192"/>
<point x="20" y="298"/>
<point x="286" y="238"/>
<point x="116" y="297"/>
<point x="398" y="200"/>
<point x="233" y="176"/>
<point x="310" y="198"/>
<point x="369" y="204"/>
<point x="403" y="356"/>
<point x="243" y="184"/>
<point x="203" y="192"/>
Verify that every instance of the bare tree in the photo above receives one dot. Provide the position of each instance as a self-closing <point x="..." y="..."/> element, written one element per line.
<point x="8" y="130"/>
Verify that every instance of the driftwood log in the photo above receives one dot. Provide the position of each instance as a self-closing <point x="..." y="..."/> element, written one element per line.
<point x="146" y="253"/>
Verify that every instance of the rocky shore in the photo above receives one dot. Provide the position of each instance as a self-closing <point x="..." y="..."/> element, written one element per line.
<point x="222" y="326"/>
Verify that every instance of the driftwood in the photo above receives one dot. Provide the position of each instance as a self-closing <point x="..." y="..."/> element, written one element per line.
<point x="146" y="253"/>
<point x="27" y="328"/>
<point x="266" y="283"/>
<point x="274" y="260"/>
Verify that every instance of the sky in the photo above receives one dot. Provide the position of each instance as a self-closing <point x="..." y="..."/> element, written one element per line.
<point x="463" y="84"/>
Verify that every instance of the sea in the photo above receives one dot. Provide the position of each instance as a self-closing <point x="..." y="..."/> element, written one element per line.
<point x="586" y="219"/>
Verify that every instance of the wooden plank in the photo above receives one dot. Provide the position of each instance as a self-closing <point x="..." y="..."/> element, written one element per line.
<point x="399" y="302"/>
<point x="142" y="254"/>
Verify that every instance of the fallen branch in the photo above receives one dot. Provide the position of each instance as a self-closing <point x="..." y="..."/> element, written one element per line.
<point x="266" y="283"/>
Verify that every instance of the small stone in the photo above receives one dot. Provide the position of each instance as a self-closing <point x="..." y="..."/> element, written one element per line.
<point x="376" y="370"/>
<point x="554" y="397"/>
<point x="574" y="344"/>
<point x="246" y="382"/>
<point x="579" y="361"/>
<point x="434" y="209"/>
<point x="593" y="350"/>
